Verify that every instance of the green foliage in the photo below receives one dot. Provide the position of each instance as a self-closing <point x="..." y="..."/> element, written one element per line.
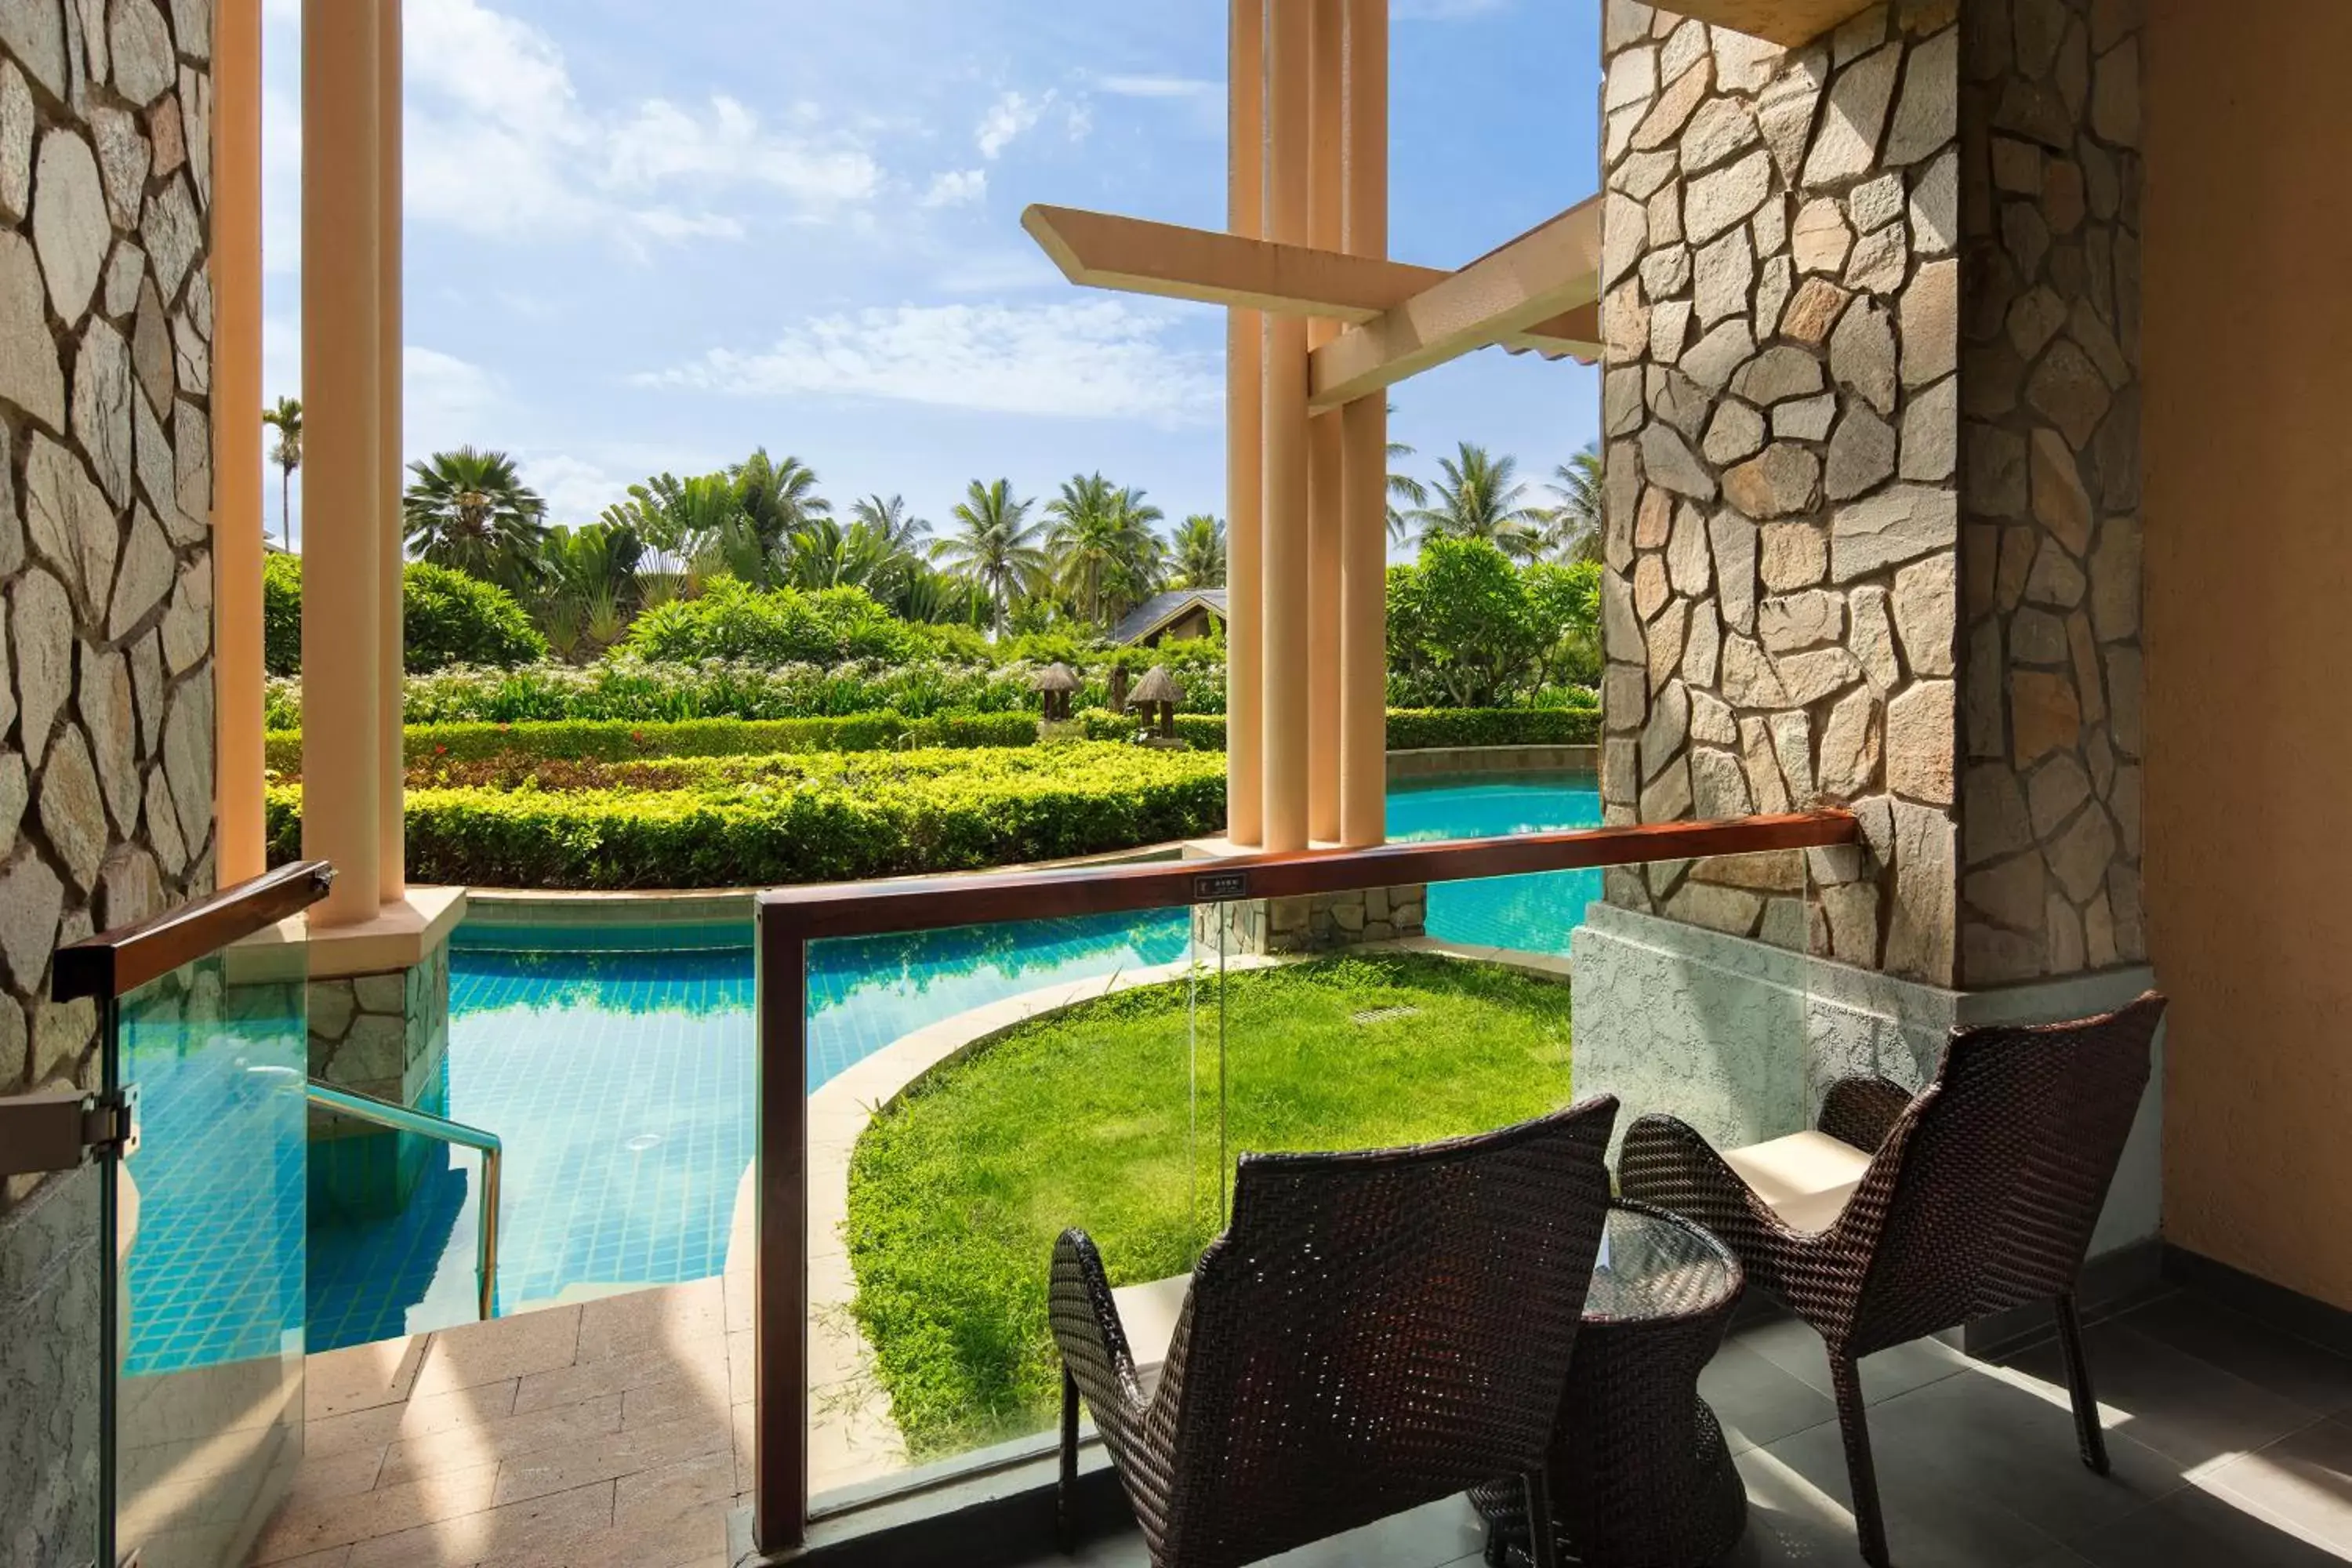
<point x="281" y="613"/>
<point x="470" y="511"/>
<point x="1429" y="729"/>
<point x="781" y="626"/>
<point x="1564" y="613"/>
<point x="610" y="740"/>
<point x="448" y="617"/>
<point x="1460" y="624"/>
<point x="828" y="817"/>
<point x="958" y="1191"/>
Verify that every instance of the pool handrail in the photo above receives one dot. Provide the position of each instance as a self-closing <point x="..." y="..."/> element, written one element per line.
<point x="114" y="964"/>
<point x="408" y="1119"/>
<point x="786" y="920"/>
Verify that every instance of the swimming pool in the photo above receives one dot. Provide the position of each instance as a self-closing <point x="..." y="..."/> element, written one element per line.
<point x="621" y="1081"/>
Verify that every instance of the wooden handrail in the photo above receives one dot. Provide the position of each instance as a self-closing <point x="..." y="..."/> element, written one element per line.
<point x="789" y="919"/>
<point x="116" y="963"/>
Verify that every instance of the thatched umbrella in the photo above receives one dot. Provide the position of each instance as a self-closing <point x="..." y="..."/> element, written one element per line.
<point x="1159" y="690"/>
<point x="1055" y="681"/>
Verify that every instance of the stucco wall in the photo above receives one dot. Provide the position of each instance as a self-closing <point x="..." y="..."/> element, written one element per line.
<point x="2248" y="361"/>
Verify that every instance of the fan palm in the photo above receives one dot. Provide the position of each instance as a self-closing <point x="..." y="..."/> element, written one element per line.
<point x="467" y="510"/>
<point x="286" y="420"/>
<point x="1200" y="552"/>
<point x="1105" y="555"/>
<point x="1571" y="529"/>
<point x="1479" y="497"/>
<point x="992" y="545"/>
<point x="779" y="497"/>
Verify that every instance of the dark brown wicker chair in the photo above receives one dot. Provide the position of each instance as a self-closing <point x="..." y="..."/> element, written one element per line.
<point x="1981" y="1195"/>
<point x="1375" y="1331"/>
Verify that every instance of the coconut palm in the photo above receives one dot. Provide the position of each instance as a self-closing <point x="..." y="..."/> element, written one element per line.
<point x="1479" y="497"/>
<point x="891" y="519"/>
<point x="1571" y="529"/>
<point x="779" y="498"/>
<point x="1105" y="555"/>
<point x="1402" y="487"/>
<point x="1200" y="552"/>
<point x="992" y="545"/>
<point x="467" y="510"/>
<point x="286" y="420"/>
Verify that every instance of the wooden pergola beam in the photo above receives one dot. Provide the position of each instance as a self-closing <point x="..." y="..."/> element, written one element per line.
<point x="1102" y="250"/>
<point x="1552" y="269"/>
<point x="1789" y="23"/>
<point x="1137" y="255"/>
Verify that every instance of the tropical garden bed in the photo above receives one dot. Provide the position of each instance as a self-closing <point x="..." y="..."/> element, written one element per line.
<point x="1104" y="1116"/>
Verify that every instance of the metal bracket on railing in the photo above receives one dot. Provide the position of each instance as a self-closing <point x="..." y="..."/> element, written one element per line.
<point x="66" y="1128"/>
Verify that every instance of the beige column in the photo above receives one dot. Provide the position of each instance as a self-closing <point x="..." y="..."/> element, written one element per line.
<point x="1244" y="437"/>
<point x="392" y="830"/>
<point x="342" y="482"/>
<point x="236" y="273"/>
<point x="1326" y="193"/>
<point x="1363" y="565"/>
<point x="1288" y="64"/>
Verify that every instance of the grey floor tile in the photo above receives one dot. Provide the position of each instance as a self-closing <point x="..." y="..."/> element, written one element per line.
<point x="2003" y="1440"/>
<point x="2183" y="1406"/>
<point x="2303" y="1481"/>
<point x="1799" y="1512"/>
<point x="2293" y="1368"/>
<point x="2197" y="1529"/>
<point x="1795" y="1349"/>
<point x="1758" y="1402"/>
<point x="1443" y="1533"/>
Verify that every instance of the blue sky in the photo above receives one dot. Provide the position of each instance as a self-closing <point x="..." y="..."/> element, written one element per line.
<point x="648" y="235"/>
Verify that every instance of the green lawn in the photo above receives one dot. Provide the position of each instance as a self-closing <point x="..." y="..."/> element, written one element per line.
<point x="1087" y="1118"/>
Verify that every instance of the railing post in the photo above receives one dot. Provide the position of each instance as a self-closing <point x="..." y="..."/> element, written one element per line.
<point x="779" y="1416"/>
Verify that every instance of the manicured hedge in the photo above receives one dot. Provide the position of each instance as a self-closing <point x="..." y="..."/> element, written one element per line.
<point x="618" y="741"/>
<point x="828" y="817"/>
<point x="1410" y="728"/>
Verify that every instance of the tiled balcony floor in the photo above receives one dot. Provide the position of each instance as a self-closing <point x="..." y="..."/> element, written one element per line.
<point x="609" y="1433"/>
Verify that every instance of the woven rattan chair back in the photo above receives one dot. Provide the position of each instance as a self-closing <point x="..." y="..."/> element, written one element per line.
<point x="1374" y="1332"/>
<point x="1994" y="1177"/>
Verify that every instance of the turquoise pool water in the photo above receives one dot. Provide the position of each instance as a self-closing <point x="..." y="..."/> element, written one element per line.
<point x="621" y="1080"/>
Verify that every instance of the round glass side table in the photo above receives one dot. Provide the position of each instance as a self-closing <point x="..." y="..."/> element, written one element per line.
<point x="1641" y="1476"/>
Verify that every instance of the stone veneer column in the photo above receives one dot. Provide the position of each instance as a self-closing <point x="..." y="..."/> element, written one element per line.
<point x="106" y="679"/>
<point x="1871" y="415"/>
<point x="386" y="1036"/>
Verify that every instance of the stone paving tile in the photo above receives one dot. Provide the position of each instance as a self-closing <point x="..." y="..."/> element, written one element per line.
<point x="503" y="1438"/>
<point x="644" y="1321"/>
<point x="542" y="1532"/>
<point x="362" y="1377"/>
<point x="500" y="1349"/>
<point x="611" y="1456"/>
<point x="339" y="1474"/>
<point x="310" y="1524"/>
<point x="703" y="1363"/>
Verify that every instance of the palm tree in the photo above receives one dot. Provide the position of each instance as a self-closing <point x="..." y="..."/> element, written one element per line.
<point x="469" y="511"/>
<point x="1106" y="556"/>
<point x="1480" y="498"/>
<point x="1402" y="487"/>
<point x="891" y="519"/>
<point x="1200" y="552"/>
<point x="779" y="498"/>
<point x="1573" y="528"/>
<point x="286" y="420"/>
<point x="993" y="546"/>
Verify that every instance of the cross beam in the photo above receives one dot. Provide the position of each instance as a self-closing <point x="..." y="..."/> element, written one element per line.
<point x="1137" y="255"/>
<point x="1553" y="269"/>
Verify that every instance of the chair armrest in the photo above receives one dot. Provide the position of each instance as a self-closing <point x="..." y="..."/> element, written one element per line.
<point x="1088" y="1331"/>
<point x="1862" y="1111"/>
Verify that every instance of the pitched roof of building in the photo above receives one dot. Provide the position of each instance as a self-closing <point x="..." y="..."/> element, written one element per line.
<point x="1161" y="609"/>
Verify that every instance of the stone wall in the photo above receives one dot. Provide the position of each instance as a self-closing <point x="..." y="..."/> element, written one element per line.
<point x="1812" y="436"/>
<point x="106" y="775"/>
<point x="2050" y="494"/>
<point x="106" y="683"/>
<point x="385" y="1036"/>
<point x="1324" y="922"/>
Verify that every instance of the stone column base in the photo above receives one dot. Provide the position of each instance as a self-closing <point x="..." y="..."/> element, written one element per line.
<point x="1741" y="1039"/>
<point x="1322" y="923"/>
<point x="384" y="1035"/>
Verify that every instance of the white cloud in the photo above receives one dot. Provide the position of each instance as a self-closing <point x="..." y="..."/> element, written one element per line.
<point x="1012" y="114"/>
<point x="1094" y="359"/>
<point x="576" y="489"/>
<point x="499" y="143"/>
<point x="955" y="188"/>
<point x="1159" y="87"/>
